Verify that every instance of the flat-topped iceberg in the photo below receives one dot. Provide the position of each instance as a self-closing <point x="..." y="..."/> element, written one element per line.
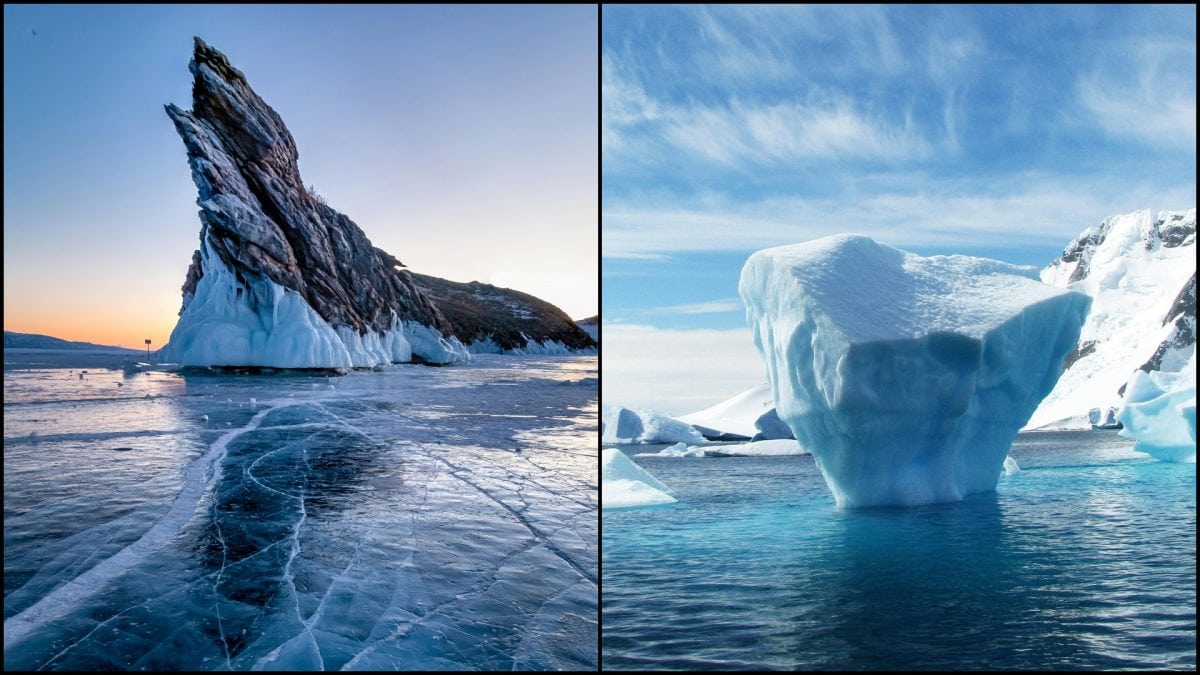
<point x="906" y="377"/>
<point x="624" y="484"/>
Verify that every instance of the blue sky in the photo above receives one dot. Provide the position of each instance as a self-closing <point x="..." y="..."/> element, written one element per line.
<point x="995" y="131"/>
<point x="461" y="139"/>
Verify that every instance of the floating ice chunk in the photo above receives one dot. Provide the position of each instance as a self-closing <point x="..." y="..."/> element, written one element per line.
<point x="622" y="425"/>
<point x="1011" y="468"/>
<point x="624" y="483"/>
<point x="1160" y="413"/>
<point x="253" y="401"/>
<point x="204" y="418"/>
<point x="677" y="450"/>
<point x="906" y="377"/>
<point x="771" y="448"/>
<point x="770" y="427"/>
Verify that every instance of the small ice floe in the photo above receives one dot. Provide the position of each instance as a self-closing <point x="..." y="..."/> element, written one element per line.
<point x="332" y="387"/>
<point x="253" y="401"/>
<point x="204" y="418"/>
<point x="1010" y="466"/>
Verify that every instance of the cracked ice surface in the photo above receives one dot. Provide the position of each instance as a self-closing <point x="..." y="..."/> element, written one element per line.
<point x="416" y="518"/>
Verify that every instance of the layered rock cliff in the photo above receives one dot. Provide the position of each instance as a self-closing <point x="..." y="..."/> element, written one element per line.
<point x="281" y="279"/>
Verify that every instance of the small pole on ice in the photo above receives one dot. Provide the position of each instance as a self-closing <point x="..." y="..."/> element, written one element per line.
<point x="147" y="350"/>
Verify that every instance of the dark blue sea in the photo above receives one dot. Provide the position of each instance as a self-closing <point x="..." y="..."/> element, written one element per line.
<point x="1085" y="559"/>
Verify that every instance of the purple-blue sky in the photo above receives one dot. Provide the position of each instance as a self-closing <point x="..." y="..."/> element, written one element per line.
<point x="464" y="140"/>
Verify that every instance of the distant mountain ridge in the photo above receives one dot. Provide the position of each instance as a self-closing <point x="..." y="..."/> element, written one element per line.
<point x="35" y="341"/>
<point x="489" y="318"/>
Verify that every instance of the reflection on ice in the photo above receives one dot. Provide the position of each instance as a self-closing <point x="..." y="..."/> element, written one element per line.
<point x="413" y="518"/>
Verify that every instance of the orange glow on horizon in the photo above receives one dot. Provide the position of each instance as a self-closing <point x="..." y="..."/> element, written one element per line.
<point x="109" y="330"/>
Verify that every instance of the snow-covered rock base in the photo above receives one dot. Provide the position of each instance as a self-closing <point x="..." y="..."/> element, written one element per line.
<point x="228" y="322"/>
<point x="906" y="377"/>
<point x="532" y="348"/>
<point x="623" y="483"/>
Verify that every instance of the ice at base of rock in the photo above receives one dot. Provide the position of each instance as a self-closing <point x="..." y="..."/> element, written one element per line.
<point x="906" y="377"/>
<point x="1160" y="413"/>
<point x="624" y="484"/>
<point x="625" y="426"/>
<point x="260" y="323"/>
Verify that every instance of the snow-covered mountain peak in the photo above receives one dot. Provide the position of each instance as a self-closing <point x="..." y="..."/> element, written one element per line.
<point x="1138" y="269"/>
<point x="1131" y="236"/>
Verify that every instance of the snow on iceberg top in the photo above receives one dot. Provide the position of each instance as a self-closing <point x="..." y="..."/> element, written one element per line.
<point x="873" y="292"/>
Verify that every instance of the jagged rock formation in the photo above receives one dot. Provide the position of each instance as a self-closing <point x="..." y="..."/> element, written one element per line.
<point x="281" y="279"/>
<point x="489" y="319"/>
<point x="1140" y="271"/>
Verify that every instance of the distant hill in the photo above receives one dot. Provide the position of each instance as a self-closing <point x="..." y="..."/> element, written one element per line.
<point x="591" y="326"/>
<point x="33" y="341"/>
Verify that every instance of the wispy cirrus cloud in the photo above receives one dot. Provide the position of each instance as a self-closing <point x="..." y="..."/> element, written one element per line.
<point x="1144" y="91"/>
<point x="708" y="307"/>
<point x="1034" y="209"/>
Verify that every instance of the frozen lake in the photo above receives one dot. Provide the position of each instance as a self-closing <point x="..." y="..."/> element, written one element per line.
<point x="414" y="518"/>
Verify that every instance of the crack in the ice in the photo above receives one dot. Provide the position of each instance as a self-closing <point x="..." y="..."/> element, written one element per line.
<point x="217" y="585"/>
<point x="197" y="476"/>
<point x="551" y="546"/>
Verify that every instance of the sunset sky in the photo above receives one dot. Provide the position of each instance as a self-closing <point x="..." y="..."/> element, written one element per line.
<point x="461" y="140"/>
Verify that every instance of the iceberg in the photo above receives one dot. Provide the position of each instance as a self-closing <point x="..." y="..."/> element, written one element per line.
<point x="1011" y="468"/>
<point x="1160" y="413"/>
<point x="624" y="484"/>
<point x="770" y="427"/>
<point x="624" y="426"/>
<point x="771" y="448"/>
<point x="677" y="450"/>
<point x="735" y="418"/>
<point x="906" y="377"/>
